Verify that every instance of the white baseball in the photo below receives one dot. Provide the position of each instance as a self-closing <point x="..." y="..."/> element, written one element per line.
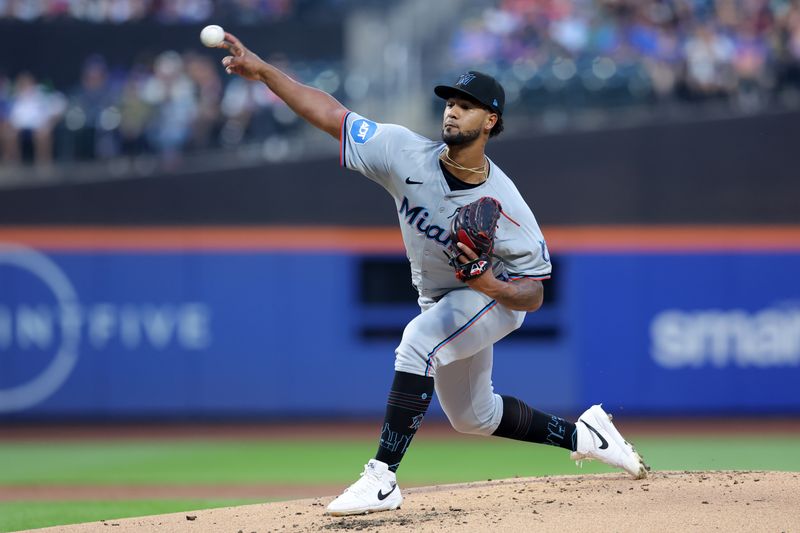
<point x="212" y="35"/>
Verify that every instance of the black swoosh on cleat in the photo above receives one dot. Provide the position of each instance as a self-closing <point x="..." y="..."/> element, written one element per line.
<point x="604" y="442"/>
<point x="382" y="496"/>
<point x="412" y="182"/>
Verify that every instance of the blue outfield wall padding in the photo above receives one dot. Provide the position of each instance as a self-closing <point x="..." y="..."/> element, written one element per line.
<point x="696" y="333"/>
<point x="281" y="334"/>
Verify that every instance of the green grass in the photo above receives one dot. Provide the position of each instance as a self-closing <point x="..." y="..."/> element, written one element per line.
<point x="722" y="453"/>
<point x="438" y="461"/>
<point x="27" y="515"/>
<point x="337" y="462"/>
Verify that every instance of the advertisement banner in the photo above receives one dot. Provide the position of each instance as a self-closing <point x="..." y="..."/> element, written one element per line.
<point x="689" y="333"/>
<point x="109" y="333"/>
<point x="161" y="333"/>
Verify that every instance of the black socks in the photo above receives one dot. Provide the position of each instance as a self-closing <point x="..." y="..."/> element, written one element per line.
<point x="411" y="395"/>
<point x="408" y="401"/>
<point x="522" y="422"/>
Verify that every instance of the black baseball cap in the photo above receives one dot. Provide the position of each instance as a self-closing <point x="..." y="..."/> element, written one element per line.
<point x="478" y="86"/>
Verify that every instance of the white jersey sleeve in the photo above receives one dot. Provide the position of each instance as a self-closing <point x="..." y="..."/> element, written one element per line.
<point x="523" y="249"/>
<point x="375" y="149"/>
<point x="519" y="243"/>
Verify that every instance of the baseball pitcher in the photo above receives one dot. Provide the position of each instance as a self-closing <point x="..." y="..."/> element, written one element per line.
<point x="477" y="258"/>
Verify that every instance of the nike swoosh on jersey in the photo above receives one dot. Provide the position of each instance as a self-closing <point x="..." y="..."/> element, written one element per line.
<point x="412" y="182"/>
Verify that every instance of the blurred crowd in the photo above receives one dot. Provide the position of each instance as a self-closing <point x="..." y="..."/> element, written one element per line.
<point x="626" y="51"/>
<point x="549" y="54"/>
<point x="168" y="11"/>
<point x="179" y="103"/>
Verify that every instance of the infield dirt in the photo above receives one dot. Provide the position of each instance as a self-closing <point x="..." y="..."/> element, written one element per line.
<point x="666" y="501"/>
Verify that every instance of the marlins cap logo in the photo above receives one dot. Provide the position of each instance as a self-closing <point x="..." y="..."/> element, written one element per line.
<point x="466" y="78"/>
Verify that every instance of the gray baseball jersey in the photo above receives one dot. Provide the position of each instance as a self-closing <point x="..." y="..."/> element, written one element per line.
<point x="407" y="165"/>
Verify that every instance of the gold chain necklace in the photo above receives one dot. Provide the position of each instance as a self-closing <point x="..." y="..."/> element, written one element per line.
<point x="477" y="170"/>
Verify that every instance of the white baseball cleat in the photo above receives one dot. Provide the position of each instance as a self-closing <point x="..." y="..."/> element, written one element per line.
<point x="599" y="439"/>
<point x="375" y="491"/>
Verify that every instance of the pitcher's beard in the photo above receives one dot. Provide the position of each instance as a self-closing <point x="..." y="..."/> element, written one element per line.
<point x="461" y="138"/>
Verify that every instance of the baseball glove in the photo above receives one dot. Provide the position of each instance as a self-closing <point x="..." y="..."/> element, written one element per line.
<point x="474" y="225"/>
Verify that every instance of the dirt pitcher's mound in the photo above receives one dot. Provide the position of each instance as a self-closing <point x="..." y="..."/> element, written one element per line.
<point x="667" y="501"/>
